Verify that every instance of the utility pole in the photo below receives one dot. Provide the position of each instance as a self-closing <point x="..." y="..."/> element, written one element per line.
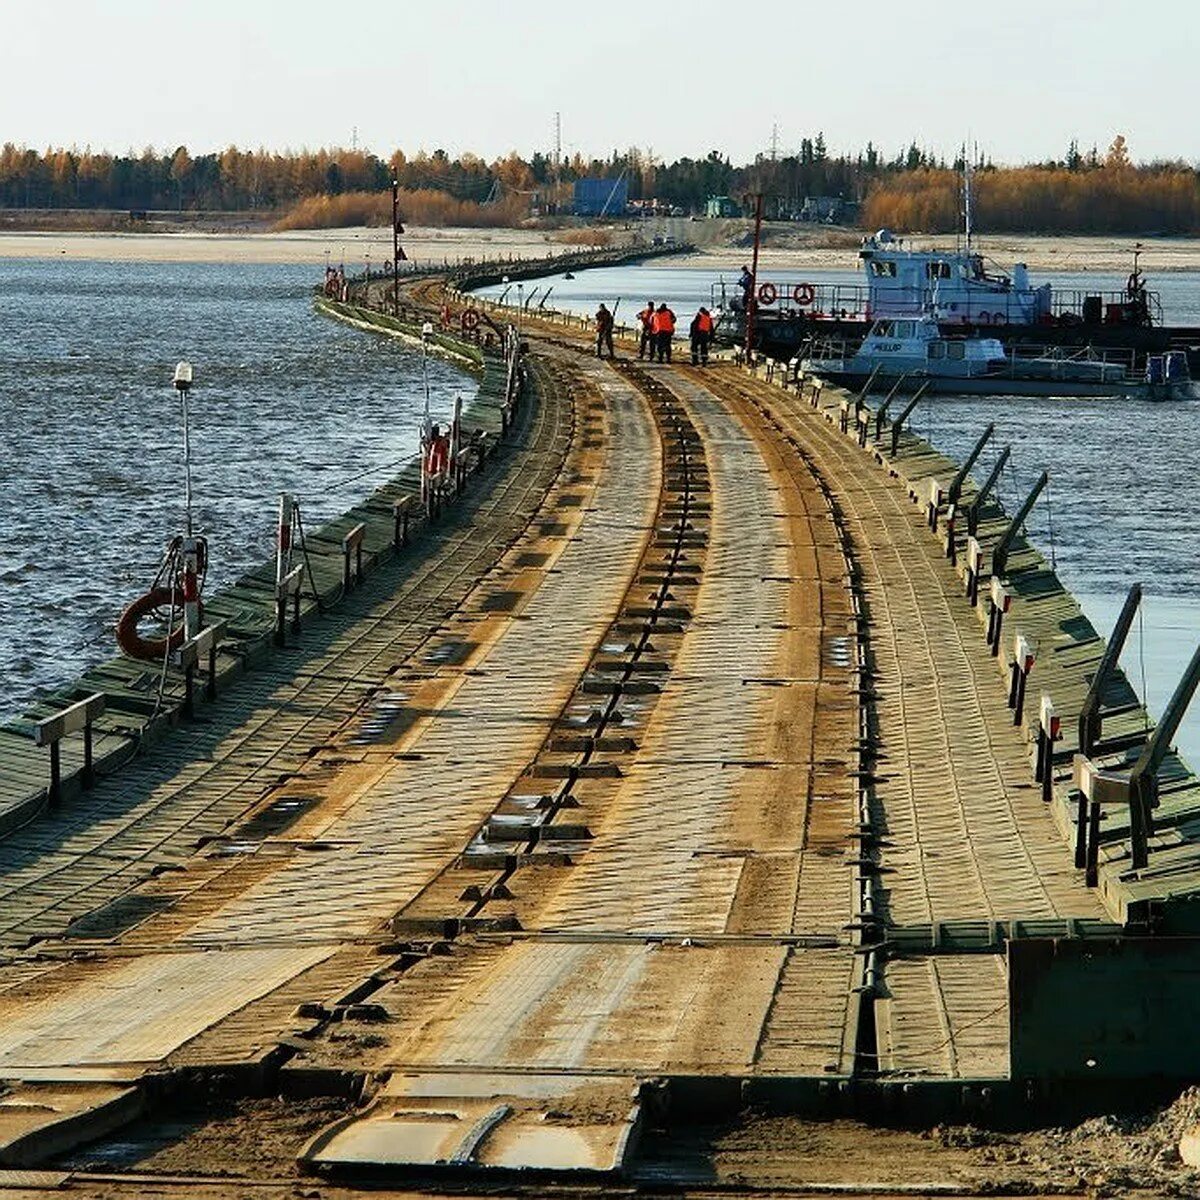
<point x="774" y="141"/>
<point x="557" y="165"/>
<point x="397" y="249"/>
<point x="752" y="297"/>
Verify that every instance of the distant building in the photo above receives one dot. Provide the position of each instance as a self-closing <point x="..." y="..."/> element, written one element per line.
<point x="720" y="206"/>
<point x="601" y="197"/>
<point x="829" y="210"/>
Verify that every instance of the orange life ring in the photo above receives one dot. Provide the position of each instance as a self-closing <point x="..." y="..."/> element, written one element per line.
<point x="804" y="294"/>
<point x="132" y="642"/>
<point x="767" y="293"/>
<point x="470" y="319"/>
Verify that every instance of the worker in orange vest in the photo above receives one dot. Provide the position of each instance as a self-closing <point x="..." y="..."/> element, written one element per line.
<point x="646" y="318"/>
<point x="664" y="330"/>
<point x="701" y="330"/>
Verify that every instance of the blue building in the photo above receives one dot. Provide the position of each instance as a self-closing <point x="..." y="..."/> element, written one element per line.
<point x="601" y="197"/>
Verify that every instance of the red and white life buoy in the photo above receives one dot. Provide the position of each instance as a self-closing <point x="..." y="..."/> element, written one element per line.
<point x="159" y="601"/>
<point x="470" y="320"/>
<point x="767" y="293"/>
<point x="804" y="294"/>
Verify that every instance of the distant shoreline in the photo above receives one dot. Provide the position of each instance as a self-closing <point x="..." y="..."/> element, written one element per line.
<point x="785" y="248"/>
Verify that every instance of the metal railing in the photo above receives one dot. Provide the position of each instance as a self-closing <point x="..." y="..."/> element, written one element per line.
<point x="852" y="302"/>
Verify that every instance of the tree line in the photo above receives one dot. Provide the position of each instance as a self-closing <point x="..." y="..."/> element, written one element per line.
<point x="1082" y="194"/>
<point x="912" y="189"/>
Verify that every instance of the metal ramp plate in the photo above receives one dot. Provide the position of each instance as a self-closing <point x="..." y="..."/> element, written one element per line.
<point x="39" y="1121"/>
<point x="545" y="1124"/>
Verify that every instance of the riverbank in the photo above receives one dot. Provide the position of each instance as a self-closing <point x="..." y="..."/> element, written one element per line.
<point x="722" y="246"/>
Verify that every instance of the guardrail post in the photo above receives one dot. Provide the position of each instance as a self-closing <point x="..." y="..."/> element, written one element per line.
<point x="933" y="504"/>
<point x="54" y="796"/>
<point x="352" y="542"/>
<point x="974" y="570"/>
<point x="189" y="690"/>
<point x="1022" y="664"/>
<point x="1092" y="868"/>
<point x="1049" y="732"/>
<point x="951" y="542"/>
<point x="400" y="511"/>
<point x="289" y="585"/>
<point x="51" y="731"/>
<point x="1081" y="831"/>
<point x="1001" y="602"/>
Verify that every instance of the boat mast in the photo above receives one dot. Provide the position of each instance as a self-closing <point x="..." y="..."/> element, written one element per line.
<point x="967" y="196"/>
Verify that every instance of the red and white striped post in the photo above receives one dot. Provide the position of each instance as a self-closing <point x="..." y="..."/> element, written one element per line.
<point x="283" y="540"/>
<point x="191" y="589"/>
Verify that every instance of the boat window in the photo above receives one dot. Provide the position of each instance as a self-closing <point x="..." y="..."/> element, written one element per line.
<point x="937" y="270"/>
<point x="956" y="350"/>
<point x="904" y="329"/>
<point x="937" y="349"/>
<point x="885" y="268"/>
<point x="883" y="329"/>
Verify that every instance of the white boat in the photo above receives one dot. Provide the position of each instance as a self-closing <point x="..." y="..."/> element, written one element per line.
<point x="954" y="286"/>
<point x="917" y="351"/>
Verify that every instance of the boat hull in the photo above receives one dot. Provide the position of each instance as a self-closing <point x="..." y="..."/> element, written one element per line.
<point x="1004" y="386"/>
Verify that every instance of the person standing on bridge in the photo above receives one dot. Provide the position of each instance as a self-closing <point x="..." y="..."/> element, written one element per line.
<point x="664" y="331"/>
<point x="701" y="330"/>
<point x="646" y="344"/>
<point x="604" y="331"/>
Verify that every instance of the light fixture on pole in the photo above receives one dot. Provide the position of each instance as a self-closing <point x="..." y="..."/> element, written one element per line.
<point x="191" y="544"/>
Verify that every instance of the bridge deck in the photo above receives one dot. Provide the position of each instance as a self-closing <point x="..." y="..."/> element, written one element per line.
<point x="574" y="799"/>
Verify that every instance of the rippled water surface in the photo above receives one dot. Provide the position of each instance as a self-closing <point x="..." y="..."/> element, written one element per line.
<point x="1125" y="475"/>
<point x="91" y="438"/>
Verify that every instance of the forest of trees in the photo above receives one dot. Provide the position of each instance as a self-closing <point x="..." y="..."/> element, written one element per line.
<point x="1084" y="194"/>
<point x="910" y="190"/>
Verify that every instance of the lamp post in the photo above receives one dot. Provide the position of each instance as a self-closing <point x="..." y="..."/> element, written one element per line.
<point x="191" y="591"/>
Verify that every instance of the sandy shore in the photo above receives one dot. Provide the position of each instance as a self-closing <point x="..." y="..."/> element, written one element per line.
<point x="296" y="246"/>
<point x="721" y="247"/>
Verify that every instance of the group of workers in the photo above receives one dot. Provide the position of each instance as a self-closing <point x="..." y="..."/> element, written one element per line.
<point x="657" y="327"/>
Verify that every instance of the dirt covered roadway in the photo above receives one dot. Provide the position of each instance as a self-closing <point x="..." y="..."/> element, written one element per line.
<point x="586" y="855"/>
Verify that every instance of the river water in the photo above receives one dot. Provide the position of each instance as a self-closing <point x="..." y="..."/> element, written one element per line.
<point x="91" y="475"/>
<point x="1121" y="505"/>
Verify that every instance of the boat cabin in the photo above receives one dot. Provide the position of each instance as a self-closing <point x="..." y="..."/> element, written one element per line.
<point x="953" y="285"/>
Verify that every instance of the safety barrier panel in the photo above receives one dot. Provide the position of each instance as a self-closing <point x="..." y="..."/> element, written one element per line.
<point x="202" y="646"/>
<point x="50" y="732"/>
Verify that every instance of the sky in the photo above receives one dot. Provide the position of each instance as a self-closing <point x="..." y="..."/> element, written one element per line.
<point x="1020" y="78"/>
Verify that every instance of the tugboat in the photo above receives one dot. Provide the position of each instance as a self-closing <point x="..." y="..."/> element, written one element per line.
<point x="915" y="352"/>
<point x="963" y="295"/>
